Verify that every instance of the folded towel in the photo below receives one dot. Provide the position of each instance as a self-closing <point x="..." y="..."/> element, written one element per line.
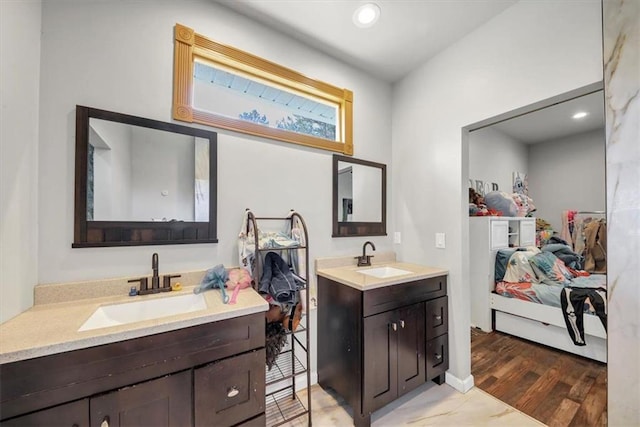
<point x="277" y="279"/>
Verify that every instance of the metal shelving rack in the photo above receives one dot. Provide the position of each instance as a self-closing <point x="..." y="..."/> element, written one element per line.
<point x="282" y="401"/>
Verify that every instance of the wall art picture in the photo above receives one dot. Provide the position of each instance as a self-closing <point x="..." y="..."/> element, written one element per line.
<point x="520" y="183"/>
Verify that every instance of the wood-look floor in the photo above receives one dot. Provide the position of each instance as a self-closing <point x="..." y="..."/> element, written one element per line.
<point x="554" y="387"/>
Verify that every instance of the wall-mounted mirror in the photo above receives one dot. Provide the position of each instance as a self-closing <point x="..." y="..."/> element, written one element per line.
<point x="359" y="197"/>
<point x="142" y="182"/>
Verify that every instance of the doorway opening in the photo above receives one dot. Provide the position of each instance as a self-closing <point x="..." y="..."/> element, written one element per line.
<point x="543" y="172"/>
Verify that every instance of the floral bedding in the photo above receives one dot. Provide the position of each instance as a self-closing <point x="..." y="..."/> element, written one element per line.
<point x="536" y="276"/>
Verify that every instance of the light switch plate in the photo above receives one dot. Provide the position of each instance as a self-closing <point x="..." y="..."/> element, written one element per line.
<point x="440" y="241"/>
<point x="397" y="238"/>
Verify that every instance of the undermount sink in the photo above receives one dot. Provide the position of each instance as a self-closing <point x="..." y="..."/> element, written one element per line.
<point x="384" y="272"/>
<point x="129" y="312"/>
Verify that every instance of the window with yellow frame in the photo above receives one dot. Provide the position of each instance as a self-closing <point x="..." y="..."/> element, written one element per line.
<point x="227" y="88"/>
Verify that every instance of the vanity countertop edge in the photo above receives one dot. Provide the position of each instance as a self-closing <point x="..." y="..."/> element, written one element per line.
<point x="348" y="274"/>
<point x="47" y="329"/>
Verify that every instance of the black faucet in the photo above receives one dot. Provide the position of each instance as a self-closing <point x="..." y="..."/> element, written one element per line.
<point x="155" y="279"/>
<point x="365" y="260"/>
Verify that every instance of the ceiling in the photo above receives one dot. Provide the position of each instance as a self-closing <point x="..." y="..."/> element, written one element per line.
<point x="555" y="122"/>
<point x="408" y="33"/>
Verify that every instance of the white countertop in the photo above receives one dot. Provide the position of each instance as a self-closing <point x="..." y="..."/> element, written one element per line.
<point x="344" y="270"/>
<point x="47" y="329"/>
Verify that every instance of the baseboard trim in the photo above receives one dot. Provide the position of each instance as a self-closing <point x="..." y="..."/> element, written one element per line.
<point x="314" y="379"/>
<point x="462" y="386"/>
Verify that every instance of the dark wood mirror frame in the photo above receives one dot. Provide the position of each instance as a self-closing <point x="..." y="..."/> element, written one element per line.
<point x="354" y="228"/>
<point x="136" y="233"/>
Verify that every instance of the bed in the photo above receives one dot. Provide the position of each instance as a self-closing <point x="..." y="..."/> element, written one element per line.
<point x="532" y="309"/>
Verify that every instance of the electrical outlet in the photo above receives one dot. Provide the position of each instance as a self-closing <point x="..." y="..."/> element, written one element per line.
<point x="397" y="238"/>
<point x="440" y="240"/>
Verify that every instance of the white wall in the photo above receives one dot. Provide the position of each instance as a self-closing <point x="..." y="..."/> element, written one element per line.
<point x="118" y="56"/>
<point x="530" y="52"/>
<point x="19" y="92"/>
<point x="123" y="61"/>
<point x="493" y="156"/>
<point x="567" y="174"/>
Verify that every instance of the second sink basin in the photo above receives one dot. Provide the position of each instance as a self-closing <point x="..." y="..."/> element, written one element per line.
<point x="129" y="312"/>
<point x="384" y="272"/>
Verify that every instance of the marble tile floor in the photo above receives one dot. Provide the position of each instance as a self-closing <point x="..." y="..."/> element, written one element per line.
<point x="428" y="405"/>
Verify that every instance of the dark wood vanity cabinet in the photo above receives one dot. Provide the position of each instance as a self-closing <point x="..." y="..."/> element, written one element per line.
<point x="376" y="345"/>
<point x="210" y="374"/>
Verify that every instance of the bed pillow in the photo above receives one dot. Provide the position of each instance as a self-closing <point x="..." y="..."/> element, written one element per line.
<point x="501" y="202"/>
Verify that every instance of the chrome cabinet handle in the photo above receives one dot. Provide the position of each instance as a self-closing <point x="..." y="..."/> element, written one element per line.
<point x="438" y="356"/>
<point x="232" y="392"/>
<point x="105" y="422"/>
<point x="437" y="317"/>
<point x="394" y="326"/>
<point x="402" y="324"/>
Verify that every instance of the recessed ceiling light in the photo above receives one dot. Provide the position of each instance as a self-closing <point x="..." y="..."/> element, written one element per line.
<point x="366" y="15"/>
<point x="580" y="115"/>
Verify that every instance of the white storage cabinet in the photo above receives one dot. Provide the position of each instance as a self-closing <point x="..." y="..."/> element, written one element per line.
<point x="486" y="236"/>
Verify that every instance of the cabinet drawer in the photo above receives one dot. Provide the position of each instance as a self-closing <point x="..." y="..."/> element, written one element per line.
<point x="437" y="317"/>
<point x="75" y="413"/>
<point x="437" y="356"/>
<point x="230" y="391"/>
<point x="394" y="296"/>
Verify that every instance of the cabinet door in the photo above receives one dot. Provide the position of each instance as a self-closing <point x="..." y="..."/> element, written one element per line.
<point x="75" y="414"/>
<point x="437" y="313"/>
<point x="499" y="234"/>
<point x="527" y="233"/>
<point x="231" y="390"/>
<point x="437" y="356"/>
<point x="411" y="347"/>
<point x="160" y="403"/>
<point x="380" y="360"/>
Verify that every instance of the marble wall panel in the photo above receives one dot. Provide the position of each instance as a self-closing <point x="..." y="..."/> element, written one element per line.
<point x="622" y="85"/>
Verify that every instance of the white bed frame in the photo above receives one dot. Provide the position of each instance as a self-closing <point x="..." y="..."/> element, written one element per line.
<point x="532" y="321"/>
<point x="540" y="323"/>
<point x="545" y="325"/>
